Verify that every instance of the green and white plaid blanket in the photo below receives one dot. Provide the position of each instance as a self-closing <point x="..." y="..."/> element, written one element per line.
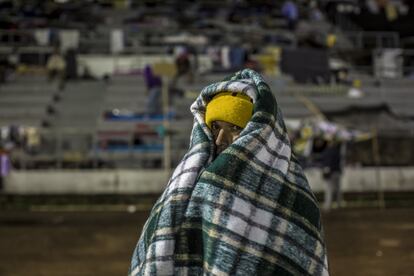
<point x="249" y="211"/>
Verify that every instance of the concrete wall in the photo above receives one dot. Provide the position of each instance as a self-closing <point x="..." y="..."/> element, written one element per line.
<point x="86" y="182"/>
<point x="154" y="181"/>
<point x="100" y="65"/>
<point x="368" y="179"/>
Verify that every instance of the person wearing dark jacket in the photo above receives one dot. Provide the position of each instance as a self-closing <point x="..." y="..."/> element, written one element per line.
<point x="332" y="171"/>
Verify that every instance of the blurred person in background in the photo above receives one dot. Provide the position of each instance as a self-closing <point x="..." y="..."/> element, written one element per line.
<point x="3" y="70"/>
<point x="5" y="165"/>
<point x="6" y="69"/>
<point x="154" y="91"/>
<point x="183" y="65"/>
<point x="238" y="203"/>
<point x="355" y="91"/>
<point x="291" y="13"/>
<point x="332" y="172"/>
<point x="154" y="85"/>
<point x="314" y="14"/>
<point x="71" y="65"/>
<point x="32" y="140"/>
<point x="56" y="68"/>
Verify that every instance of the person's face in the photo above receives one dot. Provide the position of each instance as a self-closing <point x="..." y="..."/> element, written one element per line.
<point x="224" y="134"/>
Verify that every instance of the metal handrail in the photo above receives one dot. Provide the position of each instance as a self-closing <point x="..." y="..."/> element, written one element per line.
<point x="360" y="36"/>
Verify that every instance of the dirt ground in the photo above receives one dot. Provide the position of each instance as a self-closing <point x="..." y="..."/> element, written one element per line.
<point x="360" y="242"/>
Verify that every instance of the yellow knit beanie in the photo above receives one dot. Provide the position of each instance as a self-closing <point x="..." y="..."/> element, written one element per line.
<point x="232" y="107"/>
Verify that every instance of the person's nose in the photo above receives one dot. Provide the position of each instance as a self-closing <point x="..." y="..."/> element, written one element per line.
<point x="225" y="138"/>
<point x="220" y="138"/>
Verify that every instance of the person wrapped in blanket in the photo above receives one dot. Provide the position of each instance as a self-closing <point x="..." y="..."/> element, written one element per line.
<point x="238" y="203"/>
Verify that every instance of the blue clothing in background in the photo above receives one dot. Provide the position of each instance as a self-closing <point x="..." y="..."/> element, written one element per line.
<point x="237" y="57"/>
<point x="290" y="10"/>
<point x="151" y="80"/>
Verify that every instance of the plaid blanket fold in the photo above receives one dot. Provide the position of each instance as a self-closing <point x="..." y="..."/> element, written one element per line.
<point x="249" y="211"/>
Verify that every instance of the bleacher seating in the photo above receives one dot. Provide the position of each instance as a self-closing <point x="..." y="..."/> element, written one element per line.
<point x="76" y="117"/>
<point x="79" y="105"/>
<point x="25" y="101"/>
<point x="87" y="134"/>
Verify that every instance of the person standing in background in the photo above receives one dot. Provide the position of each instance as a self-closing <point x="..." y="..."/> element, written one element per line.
<point x="183" y="65"/>
<point x="5" y="166"/>
<point x="153" y="83"/>
<point x="291" y="13"/>
<point x="332" y="172"/>
<point x="56" y="68"/>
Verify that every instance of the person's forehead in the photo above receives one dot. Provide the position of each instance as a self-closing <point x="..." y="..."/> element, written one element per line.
<point x="223" y="124"/>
